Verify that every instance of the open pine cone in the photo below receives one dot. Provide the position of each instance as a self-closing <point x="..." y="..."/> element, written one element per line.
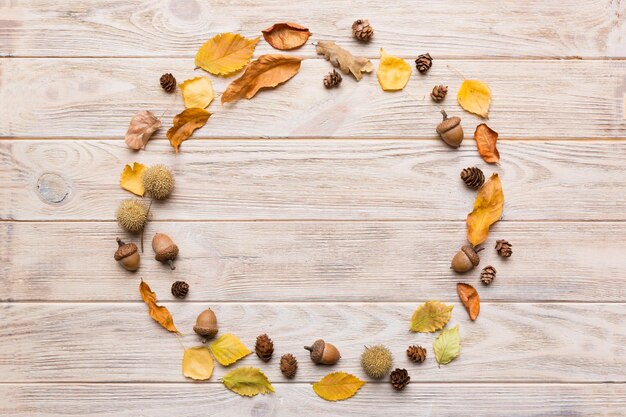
<point x="362" y="30"/>
<point x="416" y="353"/>
<point x="168" y="82"/>
<point x="333" y="79"/>
<point x="288" y="365"/>
<point x="488" y="274"/>
<point x="473" y="177"/>
<point x="399" y="378"/>
<point x="264" y="347"/>
<point x="504" y="248"/>
<point x="439" y="93"/>
<point x="423" y="63"/>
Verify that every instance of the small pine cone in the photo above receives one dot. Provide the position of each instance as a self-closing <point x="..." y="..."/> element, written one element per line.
<point x="168" y="82"/>
<point x="362" y="30"/>
<point x="504" y="248"/>
<point x="333" y="79"/>
<point x="439" y="93"/>
<point x="264" y="347"/>
<point x="399" y="378"/>
<point x="416" y="353"/>
<point x="288" y="365"/>
<point x="180" y="289"/>
<point x="473" y="177"/>
<point x="488" y="274"/>
<point x="423" y="63"/>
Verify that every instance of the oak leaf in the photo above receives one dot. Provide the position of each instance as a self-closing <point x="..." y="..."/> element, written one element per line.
<point x="142" y="126"/>
<point x="393" y="72"/>
<point x="160" y="314"/>
<point x="287" y="35"/>
<point x="487" y="210"/>
<point x="447" y="345"/>
<point x="184" y="125"/>
<point x="198" y="363"/>
<point x="266" y="72"/>
<point x="470" y="299"/>
<point x="475" y="97"/>
<point x="197" y="92"/>
<point x="228" y="349"/>
<point x="431" y="316"/>
<point x="225" y="53"/>
<point x="343" y="59"/>
<point x="130" y="179"/>
<point x="247" y="381"/>
<point x="486" y="139"/>
<point x="337" y="386"/>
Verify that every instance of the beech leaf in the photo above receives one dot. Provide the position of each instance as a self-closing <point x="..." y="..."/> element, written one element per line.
<point x="160" y="314"/>
<point x="266" y="72"/>
<point x="198" y="363"/>
<point x="343" y="59"/>
<point x="475" y="97"/>
<point x="470" y="299"/>
<point x="337" y="386"/>
<point x="247" y="381"/>
<point x="225" y="53"/>
<point x="142" y="126"/>
<point x="447" y="345"/>
<point x="130" y="180"/>
<point x="228" y="349"/>
<point x="197" y="92"/>
<point x="486" y="139"/>
<point x="393" y="72"/>
<point x="487" y="210"/>
<point x="184" y="125"/>
<point x="287" y="35"/>
<point x="431" y="316"/>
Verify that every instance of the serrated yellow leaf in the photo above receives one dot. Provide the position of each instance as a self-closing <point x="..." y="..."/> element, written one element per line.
<point x="393" y="72"/>
<point x="228" y="349"/>
<point x="197" y="92"/>
<point x="337" y="386"/>
<point x="475" y="97"/>
<point x="487" y="210"/>
<point x="225" y="53"/>
<point x="247" y="381"/>
<point x="431" y="316"/>
<point x="198" y="363"/>
<point x="130" y="180"/>
<point x="447" y="345"/>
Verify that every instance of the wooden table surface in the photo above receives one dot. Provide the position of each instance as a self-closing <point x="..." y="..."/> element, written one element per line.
<point x="310" y="213"/>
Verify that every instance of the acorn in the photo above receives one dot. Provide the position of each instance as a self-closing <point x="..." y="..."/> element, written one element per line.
<point x="450" y="130"/>
<point x="206" y="324"/>
<point x="132" y="215"/>
<point x="127" y="255"/>
<point x="376" y="361"/>
<point x="323" y="353"/>
<point x="465" y="259"/>
<point x="165" y="249"/>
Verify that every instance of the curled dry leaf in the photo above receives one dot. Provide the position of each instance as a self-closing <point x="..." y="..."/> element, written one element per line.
<point x="184" y="125"/>
<point x="142" y="126"/>
<point x="130" y="180"/>
<point x="160" y="314"/>
<point x="343" y="59"/>
<point x="198" y="363"/>
<point x="337" y="386"/>
<point x="228" y="349"/>
<point x="447" y="345"/>
<point x="197" y="92"/>
<point x="287" y="35"/>
<point x="475" y="97"/>
<point x="225" y="53"/>
<point x="266" y="72"/>
<point x="487" y="210"/>
<point x="393" y="72"/>
<point x="247" y="381"/>
<point x="486" y="139"/>
<point x="470" y="299"/>
<point x="431" y="316"/>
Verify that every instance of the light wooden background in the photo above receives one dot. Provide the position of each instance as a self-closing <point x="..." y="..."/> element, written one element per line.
<point x="309" y="213"/>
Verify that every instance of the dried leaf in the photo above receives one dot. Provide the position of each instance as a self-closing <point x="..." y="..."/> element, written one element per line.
<point x="225" y="53"/>
<point x="475" y="97"/>
<point x="343" y="59"/>
<point x="470" y="299"/>
<point x="486" y="139"/>
<point x="142" y="126"/>
<point x="487" y="210"/>
<point x="447" y="345"/>
<point x="287" y="35"/>
<point x="337" y="386"/>
<point x="130" y="180"/>
<point x="247" y="381"/>
<point x="431" y="316"/>
<point x="198" y="363"/>
<point x="160" y="314"/>
<point x="267" y="71"/>
<point x="393" y="72"/>
<point x="185" y="123"/>
<point x="228" y="349"/>
<point x="197" y="92"/>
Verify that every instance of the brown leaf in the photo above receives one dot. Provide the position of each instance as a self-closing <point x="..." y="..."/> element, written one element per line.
<point x="184" y="125"/>
<point x="160" y="314"/>
<point x="486" y="139"/>
<point x="487" y="210"/>
<point x="470" y="299"/>
<point x="267" y="71"/>
<point x="142" y="126"/>
<point x="286" y="35"/>
<point x="343" y="59"/>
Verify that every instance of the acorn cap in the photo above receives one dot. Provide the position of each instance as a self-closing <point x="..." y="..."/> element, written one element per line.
<point x="316" y="349"/>
<point x="471" y="254"/>
<point x="169" y="253"/>
<point x="124" y="250"/>
<point x="447" y="123"/>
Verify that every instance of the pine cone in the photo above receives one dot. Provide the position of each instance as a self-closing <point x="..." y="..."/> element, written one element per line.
<point x="488" y="274"/>
<point x="399" y="378"/>
<point x="439" y="93"/>
<point x="423" y="63"/>
<point x="416" y="353"/>
<point x="168" y="82"/>
<point x="362" y="30"/>
<point x="473" y="177"/>
<point x="288" y="365"/>
<point x="180" y="289"/>
<point x="333" y="79"/>
<point x="504" y="248"/>
<point x="264" y="347"/>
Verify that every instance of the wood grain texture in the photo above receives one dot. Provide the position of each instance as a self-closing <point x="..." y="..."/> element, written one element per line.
<point x="491" y="28"/>
<point x="87" y="99"/>
<point x="119" y="342"/>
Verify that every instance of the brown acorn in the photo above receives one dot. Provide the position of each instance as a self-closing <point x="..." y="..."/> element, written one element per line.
<point x="323" y="353"/>
<point x="165" y="249"/>
<point x="127" y="255"/>
<point x="206" y="324"/>
<point x="450" y="130"/>
<point x="465" y="259"/>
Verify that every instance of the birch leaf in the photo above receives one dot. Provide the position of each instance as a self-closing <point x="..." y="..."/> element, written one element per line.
<point x="337" y="386"/>
<point x="228" y="349"/>
<point x="247" y="381"/>
<point x="197" y="92"/>
<point x="198" y="363"/>
<point x="431" y="316"/>
<point x="184" y="125"/>
<point x="470" y="299"/>
<point x="475" y="97"/>
<point x="343" y="59"/>
<point x="447" y="345"/>
<point x="160" y="314"/>
<point x="225" y="53"/>
<point x="487" y="210"/>
<point x="285" y="36"/>
<point x="142" y="126"/>
<point x="393" y="72"/>
<point x="486" y="139"/>
<point x="130" y="180"/>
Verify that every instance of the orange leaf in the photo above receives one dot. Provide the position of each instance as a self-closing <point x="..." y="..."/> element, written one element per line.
<point x="160" y="314"/>
<point x="184" y="125"/>
<point x="267" y="71"/>
<point x="470" y="299"/>
<point x="487" y="210"/>
<point x="286" y="35"/>
<point x="486" y="139"/>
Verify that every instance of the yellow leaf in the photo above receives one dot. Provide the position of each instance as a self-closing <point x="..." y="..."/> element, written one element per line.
<point x="197" y="92"/>
<point x="130" y="180"/>
<point x="267" y="71"/>
<point x="247" y="381"/>
<point x="475" y="97"/>
<point x="431" y="316"/>
<point x="228" y="349"/>
<point x="393" y="72"/>
<point x="198" y="363"/>
<point x="447" y="345"/>
<point x="343" y="59"/>
<point x="185" y="123"/>
<point x="337" y="386"/>
<point x="487" y="210"/>
<point x="225" y="53"/>
<point x="160" y="314"/>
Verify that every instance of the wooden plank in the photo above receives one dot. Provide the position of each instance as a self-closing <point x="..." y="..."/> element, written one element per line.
<point x="87" y="98"/>
<point x="314" y="179"/>
<point x="535" y="28"/>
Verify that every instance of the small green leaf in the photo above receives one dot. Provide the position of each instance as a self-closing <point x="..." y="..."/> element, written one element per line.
<point x="447" y="345"/>
<point x="247" y="381"/>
